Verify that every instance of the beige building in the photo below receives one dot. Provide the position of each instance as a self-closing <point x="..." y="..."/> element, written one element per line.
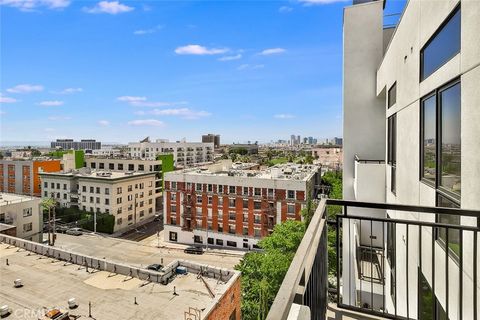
<point x="23" y="212"/>
<point x="131" y="165"/>
<point x="129" y="196"/>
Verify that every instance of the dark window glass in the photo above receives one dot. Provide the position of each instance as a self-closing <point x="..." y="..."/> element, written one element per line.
<point x="111" y="166"/>
<point x="450" y="147"/>
<point x="429" y="138"/>
<point x="391" y="235"/>
<point x="453" y="234"/>
<point x="392" y="139"/>
<point x="443" y="46"/>
<point x="392" y="95"/>
<point x="425" y="298"/>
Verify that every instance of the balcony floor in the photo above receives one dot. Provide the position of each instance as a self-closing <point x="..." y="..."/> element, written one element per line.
<point x="334" y="313"/>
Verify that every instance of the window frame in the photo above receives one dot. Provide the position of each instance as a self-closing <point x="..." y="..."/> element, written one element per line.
<point x="433" y="37"/>
<point x="436" y="93"/>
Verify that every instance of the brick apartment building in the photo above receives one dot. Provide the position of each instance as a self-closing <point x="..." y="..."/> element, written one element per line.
<point x="21" y="176"/>
<point x="226" y="205"/>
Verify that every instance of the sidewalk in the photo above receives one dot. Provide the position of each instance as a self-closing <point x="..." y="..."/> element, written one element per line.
<point x="154" y="241"/>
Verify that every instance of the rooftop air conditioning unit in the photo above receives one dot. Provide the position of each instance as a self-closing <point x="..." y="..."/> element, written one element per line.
<point x="17" y="283"/>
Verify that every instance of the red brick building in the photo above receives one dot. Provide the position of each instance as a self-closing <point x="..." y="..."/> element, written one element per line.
<point x="225" y="206"/>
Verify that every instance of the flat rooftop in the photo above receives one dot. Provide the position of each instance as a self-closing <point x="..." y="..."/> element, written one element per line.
<point x="286" y="171"/>
<point x="97" y="174"/>
<point x="11" y="198"/>
<point x="50" y="283"/>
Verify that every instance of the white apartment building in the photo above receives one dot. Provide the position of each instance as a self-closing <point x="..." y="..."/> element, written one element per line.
<point x="131" y="165"/>
<point x="24" y="213"/>
<point x="412" y="136"/>
<point x="185" y="154"/>
<point x="129" y="196"/>
<point x="229" y="205"/>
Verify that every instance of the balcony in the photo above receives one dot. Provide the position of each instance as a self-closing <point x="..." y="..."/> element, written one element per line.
<point x="369" y="182"/>
<point x="385" y="268"/>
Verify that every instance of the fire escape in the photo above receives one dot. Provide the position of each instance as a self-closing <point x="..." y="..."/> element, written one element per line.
<point x="269" y="216"/>
<point x="188" y="216"/>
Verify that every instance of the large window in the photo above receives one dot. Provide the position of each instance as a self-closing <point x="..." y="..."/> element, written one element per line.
<point x="428" y="306"/>
<point x="440" y="139"/>
<point x="453" y="234"/>
<point x="429" y="116"/>
<point x="443" y="46"/>
<point x="450" y="145"/>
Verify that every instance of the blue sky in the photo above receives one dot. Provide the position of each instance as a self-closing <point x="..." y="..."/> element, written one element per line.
<point x="120" y="71"/>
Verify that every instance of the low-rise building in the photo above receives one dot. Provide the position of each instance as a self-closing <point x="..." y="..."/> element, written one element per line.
<point x="21" y="176"/>
<point x="330" y="157"/>
<point x="185" y="154"/>
<point x="24" y="213"/>
<point x="221" y="205"/>
<point x="129" y="196"/>
<point x="111" y="289"/>
<point x="84" y="144"/>
<point x="132" y="165"/>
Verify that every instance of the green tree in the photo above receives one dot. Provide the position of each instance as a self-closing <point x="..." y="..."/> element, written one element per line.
<point x="263" y="272"/>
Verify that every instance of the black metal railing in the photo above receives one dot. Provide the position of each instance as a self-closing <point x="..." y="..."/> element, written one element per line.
<point x="392" y="261"/>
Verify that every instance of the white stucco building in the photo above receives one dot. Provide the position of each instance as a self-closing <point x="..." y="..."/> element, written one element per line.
<point x="412" y="136"/>
<point x="24" y="213"/>
<point x="185" y="154"/>
<point x="128" y="196"/>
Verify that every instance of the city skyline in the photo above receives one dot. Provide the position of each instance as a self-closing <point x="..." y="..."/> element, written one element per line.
<point x="171" y="70"/>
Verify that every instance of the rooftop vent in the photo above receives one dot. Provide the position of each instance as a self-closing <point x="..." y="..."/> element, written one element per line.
<point x="18" y="283"/>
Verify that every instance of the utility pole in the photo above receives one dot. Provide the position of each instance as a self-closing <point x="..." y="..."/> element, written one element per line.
<point x="49" y="226"/>
<point x="54" y="235"/>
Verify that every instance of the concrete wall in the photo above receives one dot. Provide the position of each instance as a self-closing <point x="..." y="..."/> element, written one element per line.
<point x="225" y="275"/>
<point x="364" y="112"/>
<point x="401" y="64"/>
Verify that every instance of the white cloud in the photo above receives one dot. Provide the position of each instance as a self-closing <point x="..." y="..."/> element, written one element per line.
<point x="185" y="113"/>
<point x="69" y="91"/>
<point x="131" y="98"/>
<point x="4" y="99"/>
<point x="142" y="102"/>
<point x="25" y="88"/>
<point x="250" y="66"/>
<point x="59" y="118"/>
<point x="147" y="31"/>
<point x="285" y="9"/>
<point x="284" y="116"/>
<point x="196" y="49"/>
<point x="32" y="5"/>
<point x="314" y="2"/>
<point x="104" y="123"/>
<point x="51" y="103"/>
<point x="147" y="122"/>
<point x="271" y="51"/>
<point x="230" y="58"/>
<point x="110" y="7"/>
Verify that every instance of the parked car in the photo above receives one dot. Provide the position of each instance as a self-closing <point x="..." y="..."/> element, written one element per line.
<point x="155" y="267"/>
<point x="194" y="250"/>
<point x="74" y="232"/>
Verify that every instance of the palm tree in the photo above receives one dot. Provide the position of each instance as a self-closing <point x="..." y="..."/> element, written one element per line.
<point x="49" y="204"/>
